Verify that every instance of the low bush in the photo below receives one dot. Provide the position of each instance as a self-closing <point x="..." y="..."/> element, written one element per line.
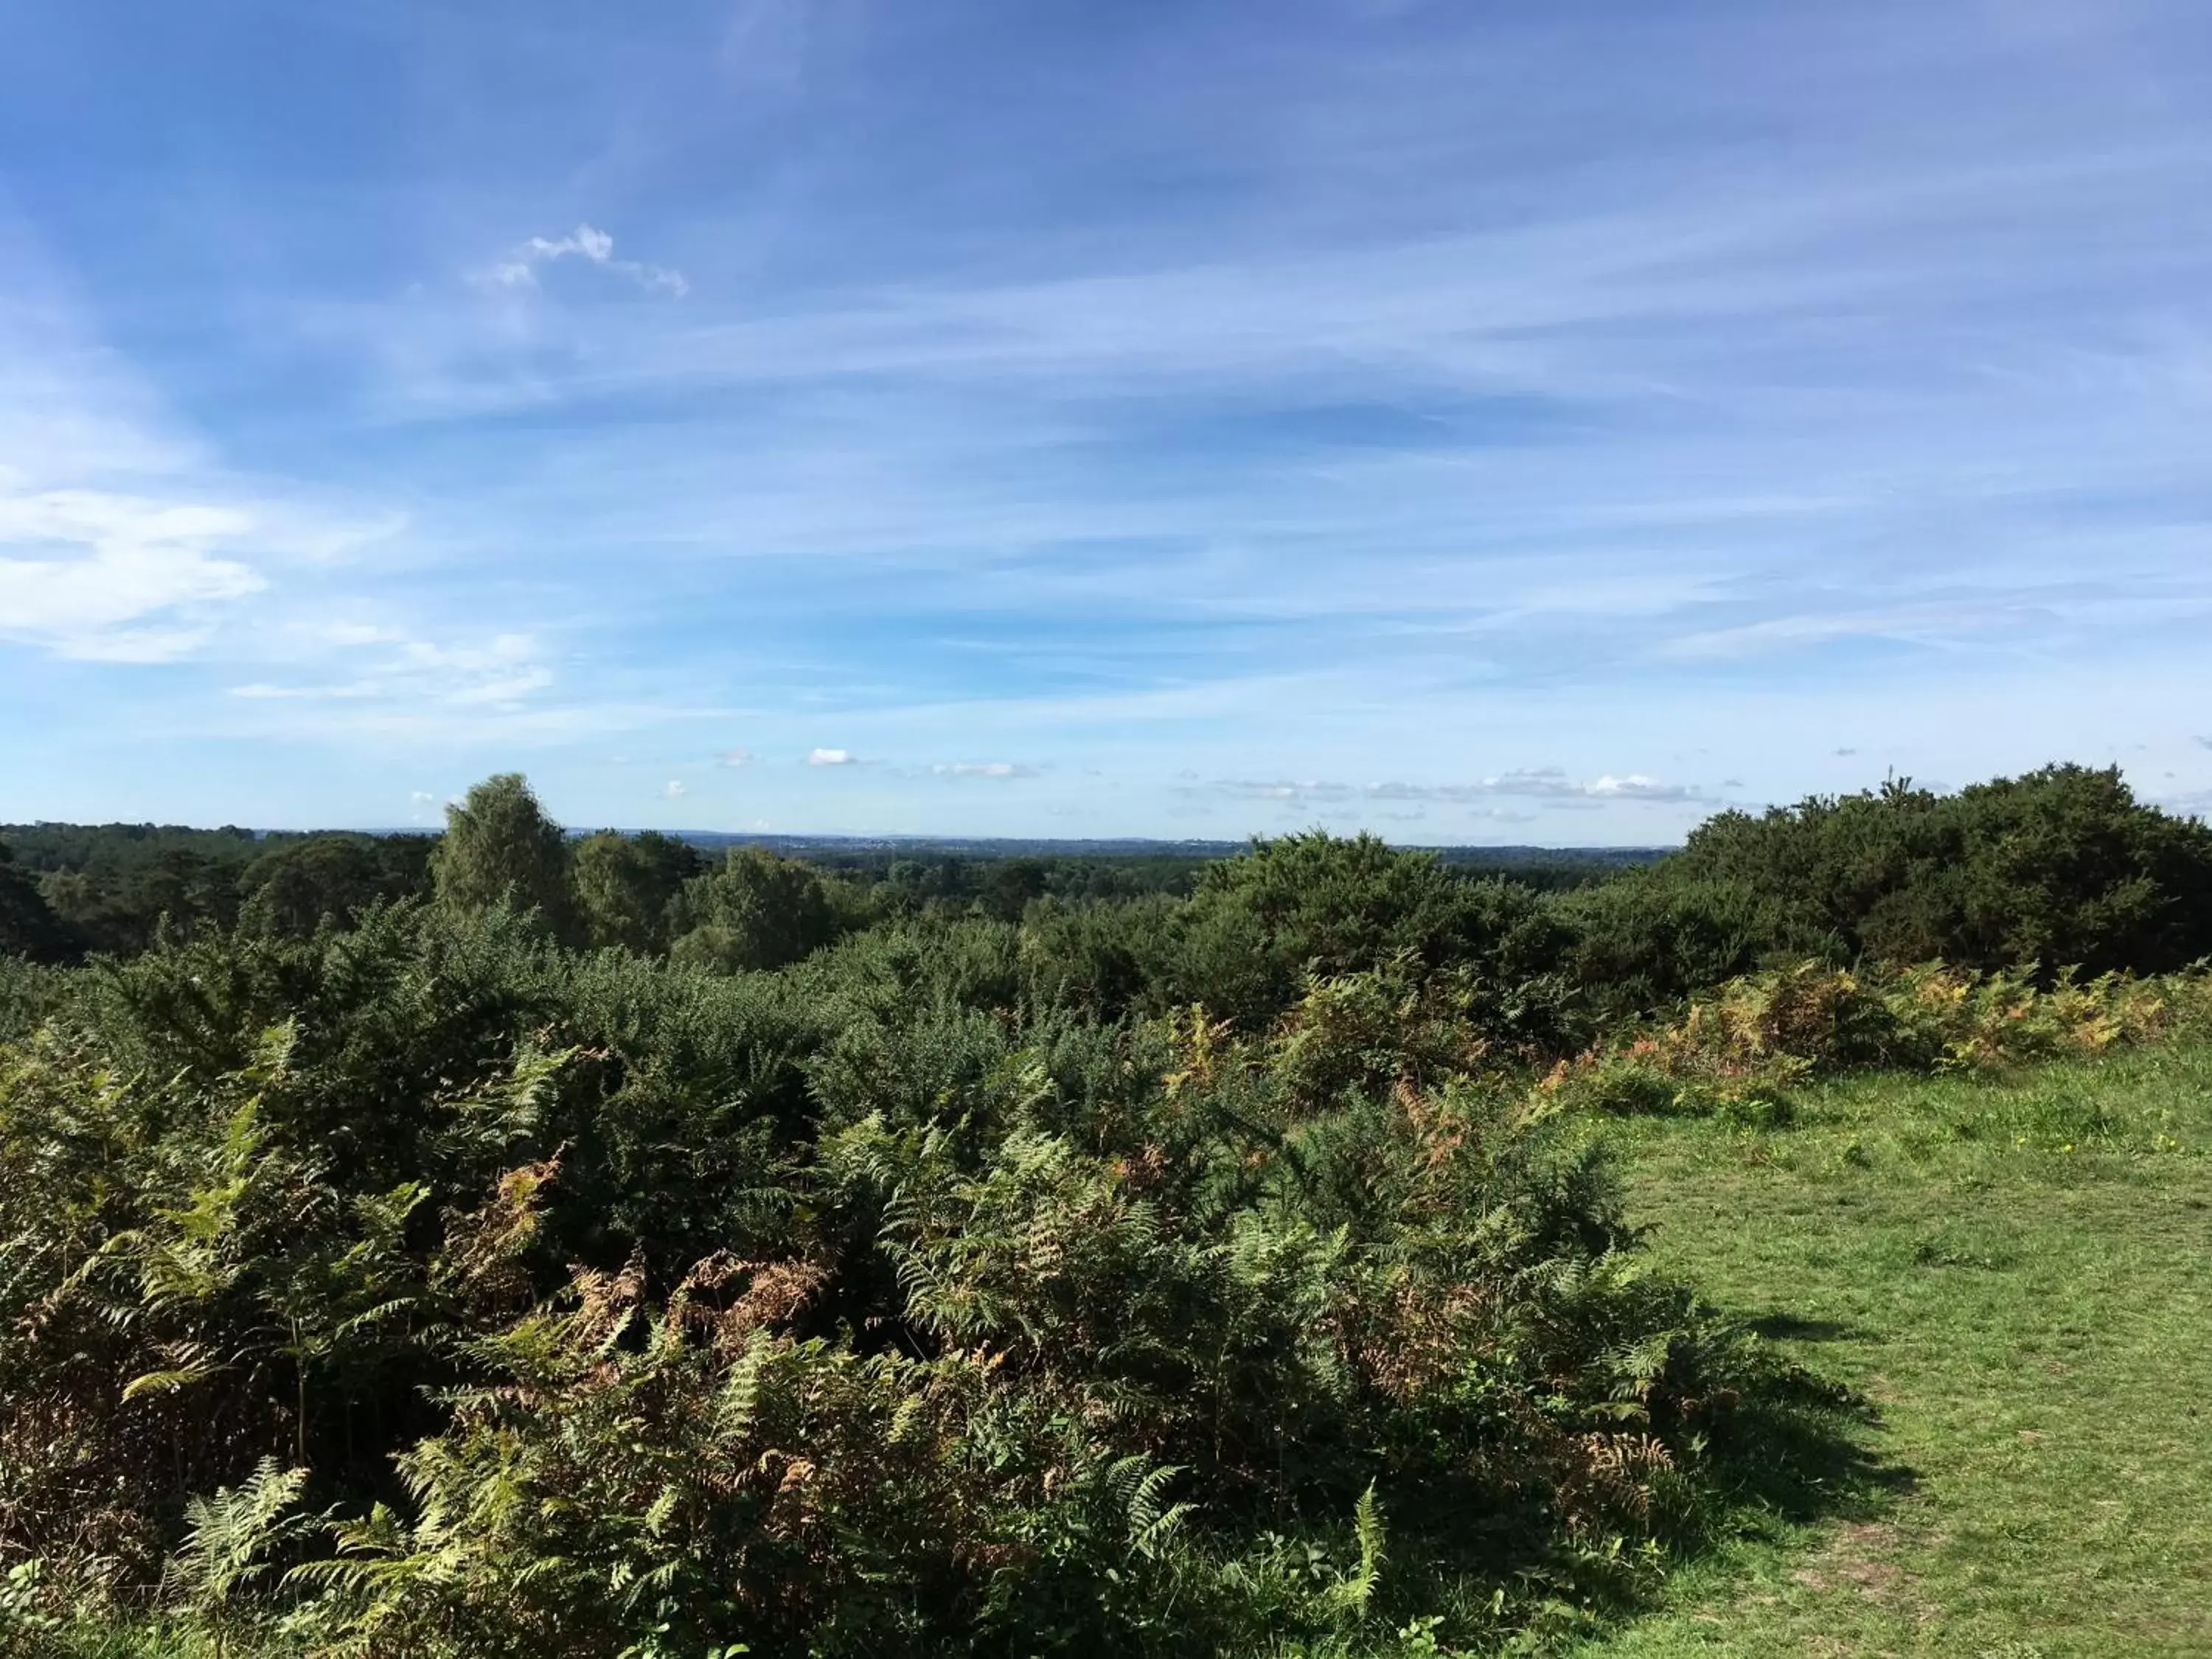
<point x="1742" y="1050"/>
<point x="2061" y="865"/>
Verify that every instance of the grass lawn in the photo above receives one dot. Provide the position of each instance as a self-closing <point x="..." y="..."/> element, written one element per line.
<point x="2018" y="1275"/>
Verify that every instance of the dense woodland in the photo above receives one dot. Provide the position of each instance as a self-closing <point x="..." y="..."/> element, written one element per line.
<point x="510" y="1242"/>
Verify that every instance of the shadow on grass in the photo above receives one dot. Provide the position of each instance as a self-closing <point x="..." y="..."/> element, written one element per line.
<point x="1790" y="1327"/>
<point x="1800" y="1452"/>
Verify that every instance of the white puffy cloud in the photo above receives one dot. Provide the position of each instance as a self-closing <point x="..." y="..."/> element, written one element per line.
<point x="594" y="246"/>
<point x="675" y="791"/>
<point x="832" y="757"/>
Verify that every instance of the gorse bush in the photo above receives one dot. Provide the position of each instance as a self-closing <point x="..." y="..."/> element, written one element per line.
<point x="2061" y="867"/>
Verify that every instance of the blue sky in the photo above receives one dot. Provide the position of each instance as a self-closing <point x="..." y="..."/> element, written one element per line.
<point x="1470" y="422"/>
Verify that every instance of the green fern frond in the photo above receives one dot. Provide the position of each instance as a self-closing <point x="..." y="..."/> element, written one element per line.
<point x="1355" y="1591"/>
<point x="227" y="1535"/>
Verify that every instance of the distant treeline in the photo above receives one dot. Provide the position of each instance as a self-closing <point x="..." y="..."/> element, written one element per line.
<point x="70" y="890"/>
<point x="2060" y="868"/>
<point x="105" y="889"/>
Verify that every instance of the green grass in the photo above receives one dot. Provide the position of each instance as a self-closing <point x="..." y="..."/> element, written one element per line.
<point x="2018" y="1275"/>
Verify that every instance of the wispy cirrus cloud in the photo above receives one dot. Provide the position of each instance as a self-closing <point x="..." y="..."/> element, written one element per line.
<point x="107" y="577"/>
<point x="1283" y="790"/>
<point x="149" y="568"/>
<point x="1550" y="784"/>
<point x="377" y="684"/>
<point x="124" y="539"/>
<point x="504" y="672"/>
<point x="1553" y="783"/>
<point x="1933" y="624"/>
<point x="997" y="769"/>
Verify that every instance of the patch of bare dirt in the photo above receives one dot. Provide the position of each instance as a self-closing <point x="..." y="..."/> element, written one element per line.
<point x="1863" y="1557"/>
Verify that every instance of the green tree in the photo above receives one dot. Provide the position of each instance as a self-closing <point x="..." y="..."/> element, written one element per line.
<point x="756" y="911"/>
<point x="625" y="885"/>
<point x="28" y="928"/>
<point x="1011" y="884"/>
<point x="500" y="847"/>
<point x="292" y="888"/>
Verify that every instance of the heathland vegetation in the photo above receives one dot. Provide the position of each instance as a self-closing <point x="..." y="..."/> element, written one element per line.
<point x="514" y="1243"/>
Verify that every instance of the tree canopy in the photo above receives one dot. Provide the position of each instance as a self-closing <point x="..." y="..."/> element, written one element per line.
<point x="501" y="848"/>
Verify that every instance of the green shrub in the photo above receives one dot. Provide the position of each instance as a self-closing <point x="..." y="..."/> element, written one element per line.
<point x="1315" y="904"/>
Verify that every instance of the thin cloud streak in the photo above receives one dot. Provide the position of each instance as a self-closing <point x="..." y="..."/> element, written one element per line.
<point x="994" y="770"/>
<point x="1550" y="784"/>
